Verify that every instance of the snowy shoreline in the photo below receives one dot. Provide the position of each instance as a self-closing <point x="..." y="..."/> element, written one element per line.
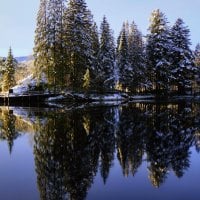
<point x="117" y="97"/>
<point x="106" y="97"/>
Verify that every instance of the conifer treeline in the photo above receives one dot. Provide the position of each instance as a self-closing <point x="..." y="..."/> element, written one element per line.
<point x="73" y="54"/>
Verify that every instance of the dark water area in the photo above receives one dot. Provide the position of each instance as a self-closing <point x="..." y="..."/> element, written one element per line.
<point x="134" y="151"/>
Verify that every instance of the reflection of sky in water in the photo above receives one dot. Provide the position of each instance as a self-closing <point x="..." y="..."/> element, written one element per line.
<point x="139" y="187"/>
<point x="18" y="178"/>
<point x="17" y="171"/>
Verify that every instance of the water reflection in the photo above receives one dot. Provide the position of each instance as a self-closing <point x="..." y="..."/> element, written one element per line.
<point x="70" y="147"/>
<point x="7" y="127"/>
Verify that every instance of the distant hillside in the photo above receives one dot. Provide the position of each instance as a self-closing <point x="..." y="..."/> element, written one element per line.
<point x="24" y="58"/>
<point x="24" y="68"/>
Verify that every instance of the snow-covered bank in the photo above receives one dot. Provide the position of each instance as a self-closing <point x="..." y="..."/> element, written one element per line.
<point x="80" y="97"/>
<point x="116" y="98"/>
<point x="24" y="85"/>
<point x="27" y="84"/>
<point x="107" y="97"/>
<point x="28" y="87"/>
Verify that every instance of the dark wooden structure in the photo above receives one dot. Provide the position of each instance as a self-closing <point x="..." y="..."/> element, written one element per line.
<point x="24" y="99"/>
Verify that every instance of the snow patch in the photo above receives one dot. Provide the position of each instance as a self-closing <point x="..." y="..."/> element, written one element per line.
<point x="26" y="84"/>
<point x="113" y="97"/>
<point x="56" y="98"/>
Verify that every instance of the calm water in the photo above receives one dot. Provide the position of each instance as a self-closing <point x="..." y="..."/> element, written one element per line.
<point x="137" y="151"/>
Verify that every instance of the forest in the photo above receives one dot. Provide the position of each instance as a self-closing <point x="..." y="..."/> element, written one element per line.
<point x="72" y="54"/>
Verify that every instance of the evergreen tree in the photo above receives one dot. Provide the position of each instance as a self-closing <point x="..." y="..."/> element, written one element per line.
<point x="95" y="60"/>
<point x="182" y="66"/>
<point x="136" y="57"/>
<point x="56" y="9"/>
<point x="41" y="42"/>
<point x="8" y="76"/>
<point x="124" y="67"/>
<point x="197" y="64"/>
<point x="197" y="55"/>
<point x="106" y="79"/>
<point x="49" y="48"/>
<point x="78" y="41"/>
<point x="159" y="52"/>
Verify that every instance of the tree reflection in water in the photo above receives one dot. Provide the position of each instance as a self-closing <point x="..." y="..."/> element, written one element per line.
<point x="64" y="157"/>
<point x="7" y="127"/>
<point x="72" y="146"/>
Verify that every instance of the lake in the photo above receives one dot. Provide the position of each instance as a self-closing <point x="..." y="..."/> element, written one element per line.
<point x="132" y="151"/>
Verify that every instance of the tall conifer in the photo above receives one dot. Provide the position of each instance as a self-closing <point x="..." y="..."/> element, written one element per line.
<point x="56" y="9"/>
<point x="95" y="56"/>
<point x="106" y="57"/>
<point x="41" y="42"/>
<point x="183" y="68"/>
<point x="8" y="76"/>
<point x="158" y="49"/>
<point x="136" y="57"/>
<point x="125" y="70"/>
<point x="78" y="41"/>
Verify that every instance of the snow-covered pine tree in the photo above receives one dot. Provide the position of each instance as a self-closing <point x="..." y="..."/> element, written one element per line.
<point x="158" y="51"/>
<point x="78" y="41"/>
<point x="2" y="67"/>
<point x="124" y="67"/>
<point x="136" y="57"/>
<point x="95" y="61"/>
<point x="106" y="79"/>
<point x="41" y="42"/>
<point x="49" y="48"/>
<point x="8" y="76"/>
<point x="56" y="9"/>
<point x="197" y="55"/>
<point x="183" y="68"/>
<point x="197" y="64"/>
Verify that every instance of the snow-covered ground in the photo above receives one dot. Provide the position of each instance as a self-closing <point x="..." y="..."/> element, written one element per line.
<point x="26" y="84"/>
<point x="52" y="99"/>
<point x="141" y="97"/>
<point x="91" y="97"/>
<point x="111" y="97"/>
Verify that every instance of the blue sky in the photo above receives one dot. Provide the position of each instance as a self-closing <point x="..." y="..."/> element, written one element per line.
<point x="18" y="18"/>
